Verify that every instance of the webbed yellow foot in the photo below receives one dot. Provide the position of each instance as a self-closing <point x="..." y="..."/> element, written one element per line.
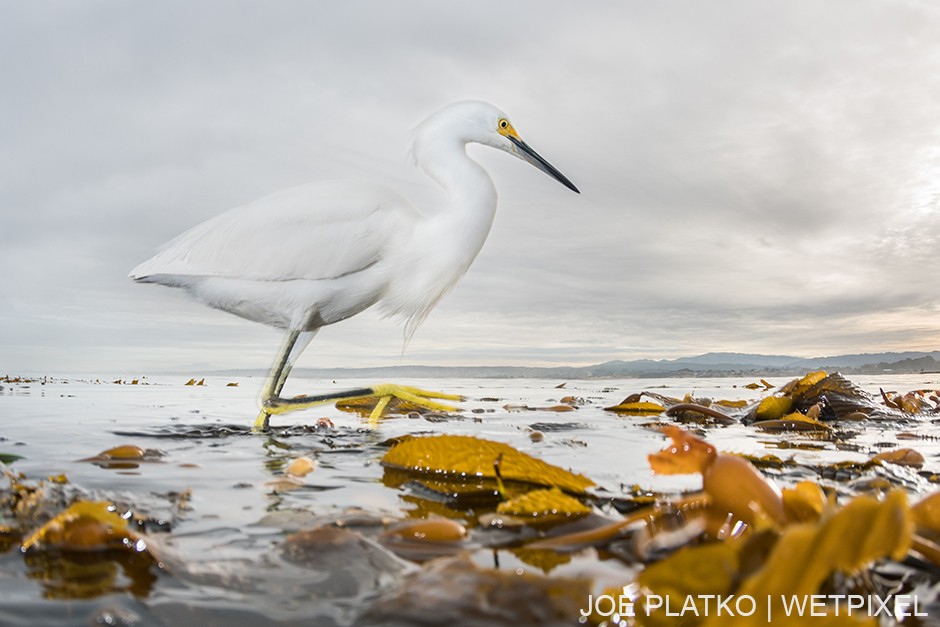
<point x="376" y="399"/>
<point x="415" y="396"/>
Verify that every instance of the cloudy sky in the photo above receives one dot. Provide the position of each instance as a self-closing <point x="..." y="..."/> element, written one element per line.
<point x="755" y="176"/>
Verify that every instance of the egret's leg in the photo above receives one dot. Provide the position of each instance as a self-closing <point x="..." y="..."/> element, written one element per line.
<point x="280" y="364"/>
<point x="301" y="341"/>
<point x="276" y="377"/>
<point x="293" y="345"/>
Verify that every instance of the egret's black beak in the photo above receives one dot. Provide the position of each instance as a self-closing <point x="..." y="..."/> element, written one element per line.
<point x="525" y="152"/>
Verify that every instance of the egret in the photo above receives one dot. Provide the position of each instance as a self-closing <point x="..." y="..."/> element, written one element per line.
<point x="313" y="255"/>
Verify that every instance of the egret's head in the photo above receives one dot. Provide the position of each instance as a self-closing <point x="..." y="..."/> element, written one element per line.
<point x="513" y="144"/>
<point x="480" y="122"/>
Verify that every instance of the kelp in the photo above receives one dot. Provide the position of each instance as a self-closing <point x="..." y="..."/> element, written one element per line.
<point x="458" y="457"/>
<point x="422" y="540"/>
<point x="86" y="526"/>
<point x="794" y="421"/>
<point x="819" y="395"/>
<point x="89" y="550"/>
<point x="737" y="505"/>
<point x="544" y="507"/>
<point x="300" y="466"/>
<point x="9" y="458"/>
<point x="804" y="537"/>
<point x="901" y="457"/>
<point x="637" y="408"/>
<point x="124" y="456"/>
<point x="730" y="481"/>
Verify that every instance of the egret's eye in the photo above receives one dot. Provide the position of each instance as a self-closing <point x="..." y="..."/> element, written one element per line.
<point x="504" y="123"/>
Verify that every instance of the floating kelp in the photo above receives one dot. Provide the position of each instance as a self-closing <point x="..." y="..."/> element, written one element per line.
<point x="913" y="402"/>
<point x="901" y="457"/>
<point x="553" y="408"/>
<point x="834" y="395"/>
<point x="818" y="394"/>
<point x="729" y="480"/>
<point x="544" y="507"/>
<point x="457" y="457"/>
<point x="431" y="530"/>
<point x="804" y="536"/>
<point x="699" y="413"/>
<point x="9" y="458"/>
<point x="8" y="378"/>
<point x="634" y="406"/>
<point x="794" y="421"/>
<point x="26" y="504"/>
<point x="773" y="408"/>
<point x="86" y="526"/>
<point x="125" y="456"/>
<point x="458" y="493"/>
<point x="422" y="540"/>
<point x="800" y="559"/>
<point x="806" y="404"/>
<point x="81" y="552"/>
<point x="300" y="466"/>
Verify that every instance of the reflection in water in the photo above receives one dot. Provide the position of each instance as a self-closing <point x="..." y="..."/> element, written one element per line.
<point x="89" y="574"/>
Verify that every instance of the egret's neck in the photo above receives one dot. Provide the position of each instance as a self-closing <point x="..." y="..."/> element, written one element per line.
<point x="446" y="161"/>
<point x="449" y="236"/>
<point x="470" y="190"/>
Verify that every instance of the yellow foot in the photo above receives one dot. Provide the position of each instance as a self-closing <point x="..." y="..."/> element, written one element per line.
<point x="376" y="399"/>
<point x="416" y="396"/>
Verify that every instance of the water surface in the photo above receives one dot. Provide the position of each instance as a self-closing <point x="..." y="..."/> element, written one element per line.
<point x="218" y="515"/>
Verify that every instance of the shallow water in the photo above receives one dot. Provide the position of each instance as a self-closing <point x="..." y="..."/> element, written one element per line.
<point x="218" y="517"/>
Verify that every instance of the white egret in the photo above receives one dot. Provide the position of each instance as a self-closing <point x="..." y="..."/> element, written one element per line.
<point x="313" y="255"/>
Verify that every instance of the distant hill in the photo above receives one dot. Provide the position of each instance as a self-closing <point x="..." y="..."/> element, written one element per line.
<point x="709" y="364"/>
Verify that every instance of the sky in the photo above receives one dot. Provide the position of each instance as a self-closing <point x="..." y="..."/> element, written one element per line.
<point x="757" y="177"/>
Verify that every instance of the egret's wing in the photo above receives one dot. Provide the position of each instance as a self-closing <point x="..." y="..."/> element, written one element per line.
<point x="315" y="231"/>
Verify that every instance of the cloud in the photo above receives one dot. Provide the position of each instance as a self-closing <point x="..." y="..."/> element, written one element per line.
<point x="756" y="177"/>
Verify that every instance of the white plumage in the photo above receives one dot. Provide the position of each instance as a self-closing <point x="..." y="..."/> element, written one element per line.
<point x="313" y="255"/>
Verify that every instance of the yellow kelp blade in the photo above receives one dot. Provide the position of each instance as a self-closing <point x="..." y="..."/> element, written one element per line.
<point x="85" y="526"/>
<point x="799" y="387"/>
<point x="686" y="454"/>
<point x="731" y="481"/>
<point x="804" y="502"/>
<point x="689" y="572"/>
<point x="794" y="421"/>
<point x="901" y="457"/>
<point x="773" y="408"/>
<point x="456" y="456"/>
<point x="801" y="560"/>
<point x="545" y="507"/>
<point x="637" y="408"/>
<point x="926" y="513"/>
<point x="863" y="531"/>
<point x="787" y="397"/>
